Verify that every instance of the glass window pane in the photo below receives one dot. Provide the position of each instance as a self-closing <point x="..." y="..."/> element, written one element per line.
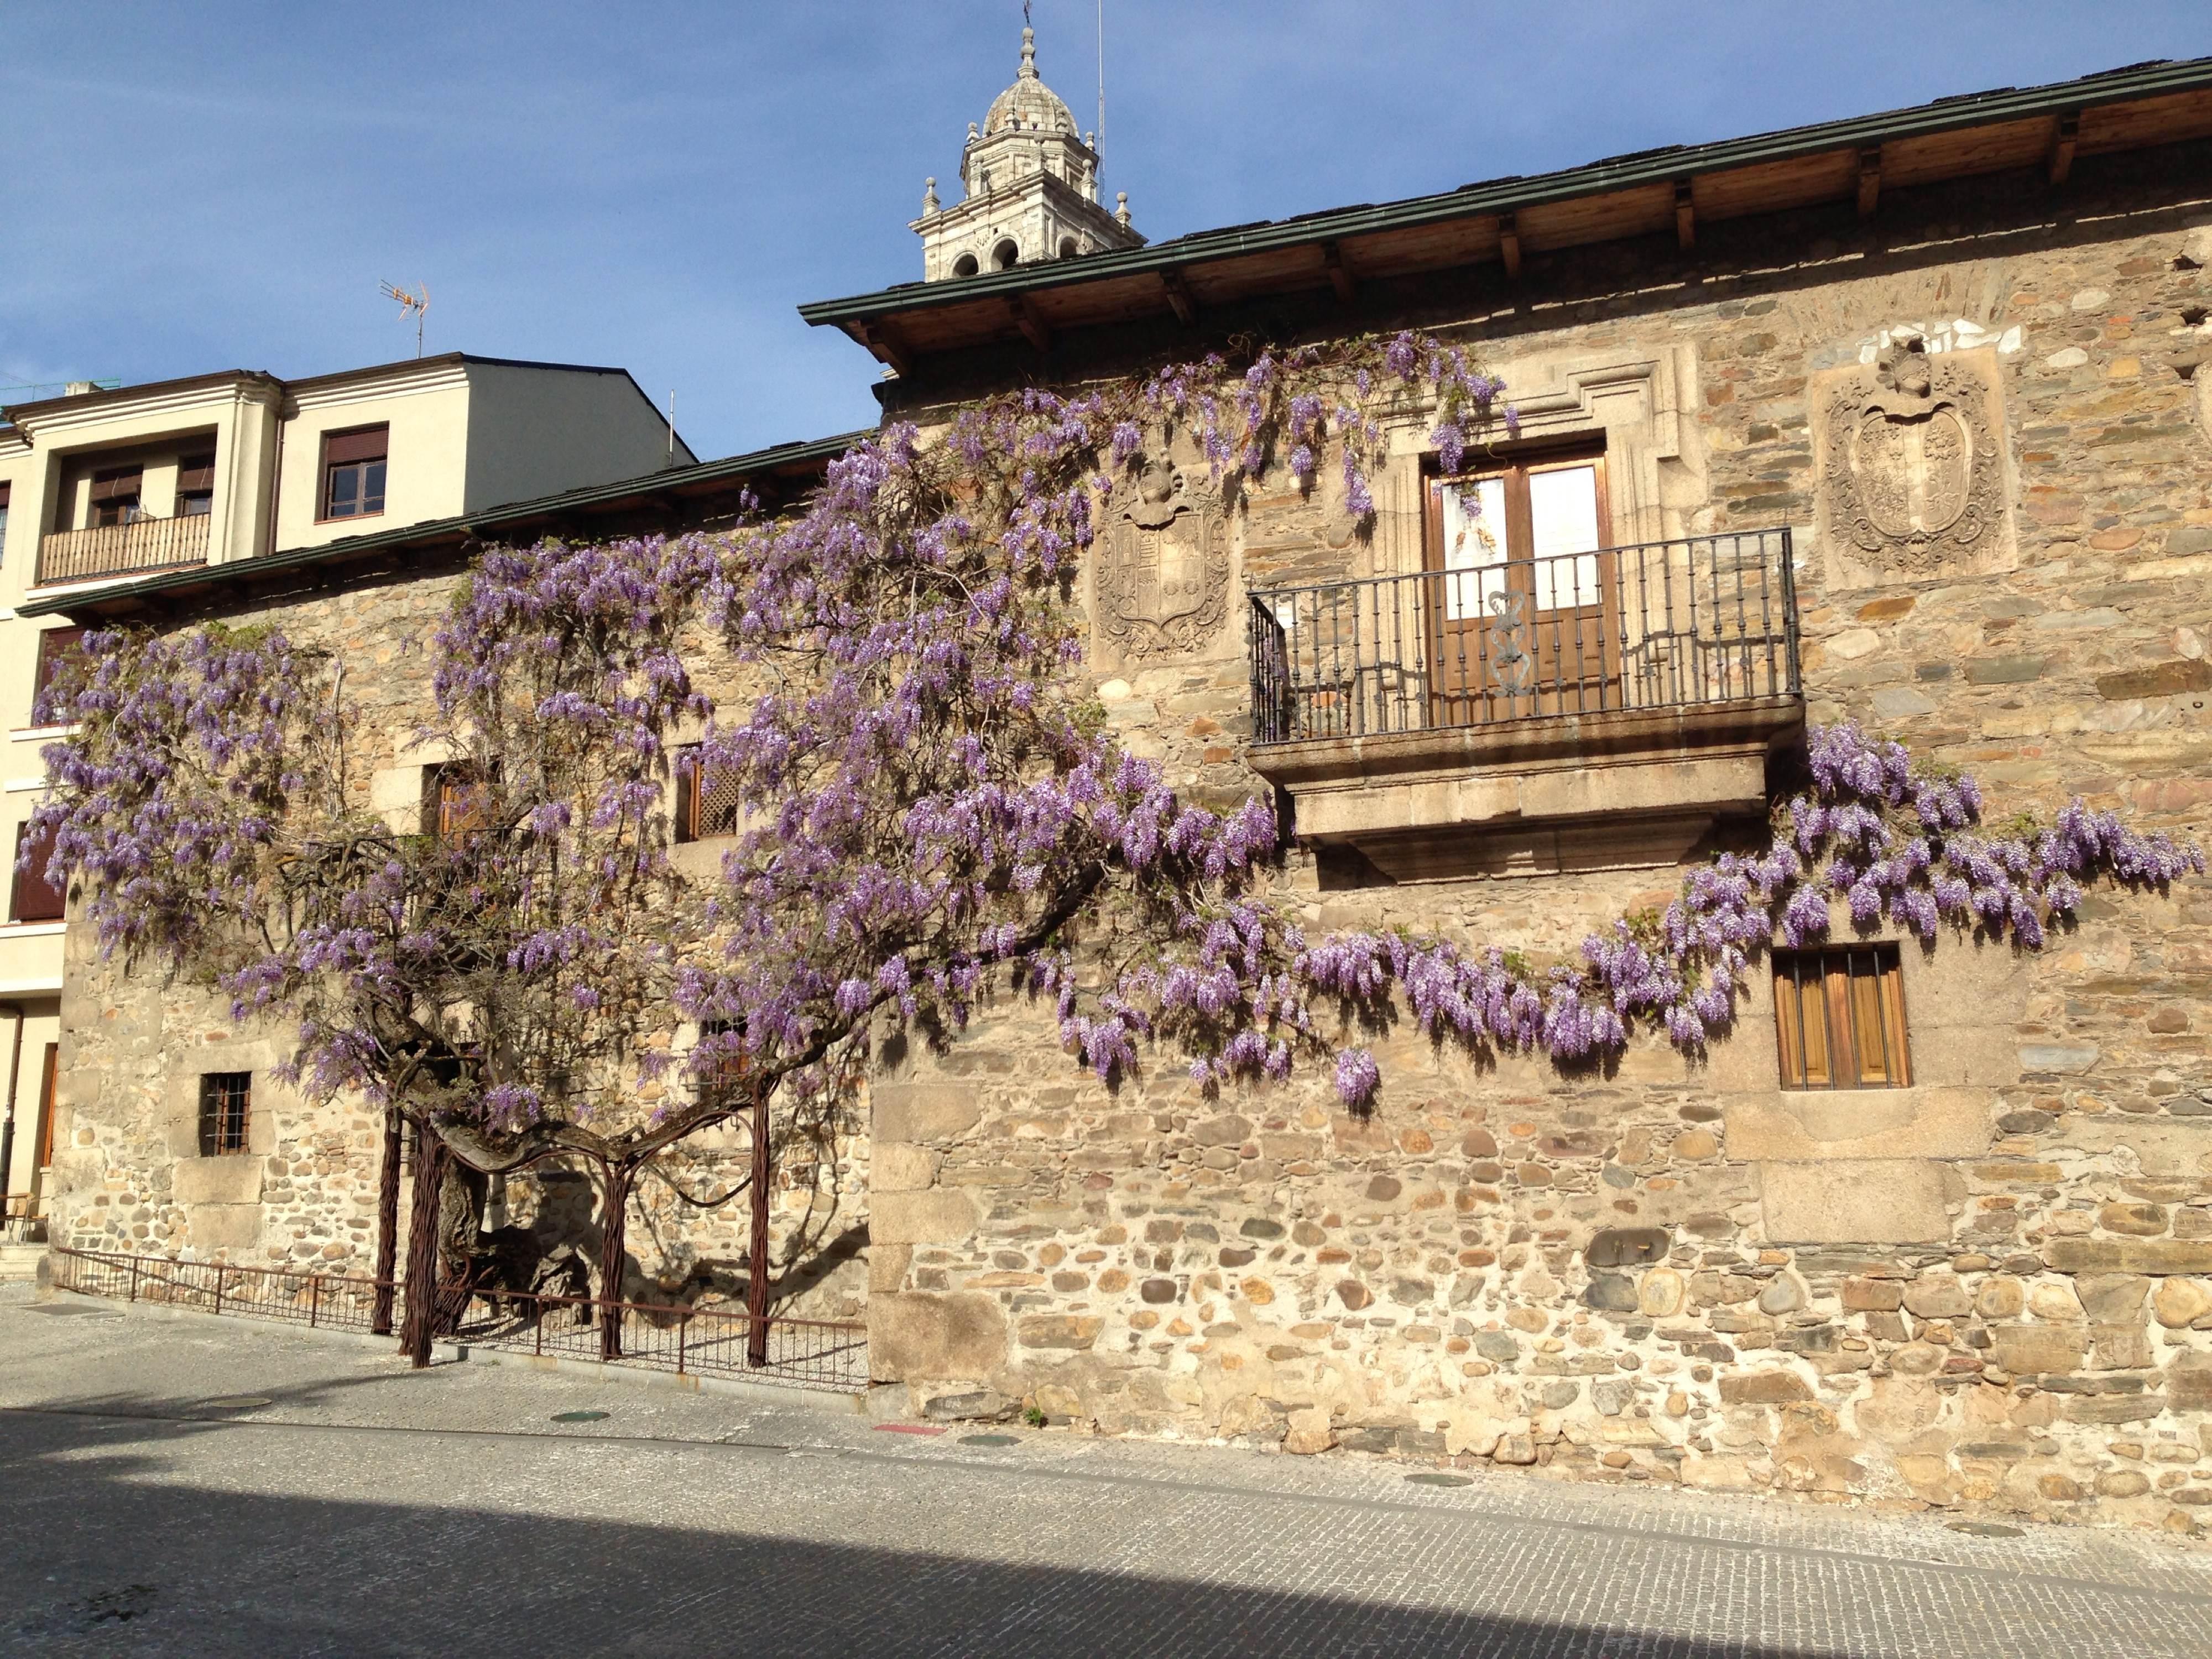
<point x="345" y="488"/>
<point x="1564" y="533"/>
<point x="371" y="489"/>
<point x="1475" y="548"/>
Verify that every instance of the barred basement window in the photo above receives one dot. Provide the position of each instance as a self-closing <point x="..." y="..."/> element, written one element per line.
<point x="225" y="1103"/>
<point x="706" y="806"/>
<point x="456" y="798"/>
<point x="1839" y="1014"/>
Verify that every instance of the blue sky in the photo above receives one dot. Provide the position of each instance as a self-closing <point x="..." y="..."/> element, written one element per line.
<point x="197" y="186"/>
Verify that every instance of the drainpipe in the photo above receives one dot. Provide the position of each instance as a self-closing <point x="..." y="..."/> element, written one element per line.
<point x="8" y="1124"/>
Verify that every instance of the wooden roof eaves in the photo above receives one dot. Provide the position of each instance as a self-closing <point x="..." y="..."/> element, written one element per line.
<point x="907" y="303"/>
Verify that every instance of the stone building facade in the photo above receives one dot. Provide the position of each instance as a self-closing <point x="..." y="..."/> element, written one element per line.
<point x="1923" y="388"/>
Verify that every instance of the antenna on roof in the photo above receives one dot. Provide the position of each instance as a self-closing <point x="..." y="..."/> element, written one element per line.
<point x="671" y="426"/>
<point x="1100" y="147"/>
<point x="410" y="305"/>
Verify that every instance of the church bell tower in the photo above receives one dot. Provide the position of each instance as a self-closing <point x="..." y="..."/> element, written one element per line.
<point x="1030" y="189"/>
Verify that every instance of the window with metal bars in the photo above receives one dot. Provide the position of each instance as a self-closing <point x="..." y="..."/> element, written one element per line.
<point x="226" y="1105"/>
<point x="1840" y="1017"/>
<point x="706" y="806"/>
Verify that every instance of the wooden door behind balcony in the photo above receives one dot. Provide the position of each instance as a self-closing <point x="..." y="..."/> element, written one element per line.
<point x="1521" y="617"/>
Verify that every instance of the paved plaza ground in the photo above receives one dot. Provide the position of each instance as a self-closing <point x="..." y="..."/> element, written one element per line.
<point x="149" y="1504"/>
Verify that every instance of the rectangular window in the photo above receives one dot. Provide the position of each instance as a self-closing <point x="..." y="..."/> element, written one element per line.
<point x="56" y="646"/>
<point x="455" y="799"/>
<point x="353" y="473"/>
<point x="115" y="495"/>
<point x="195" y="486"/>
<point x="32" y="897"/>
<point x="706" y="806"/>
<point x="1840" y="1017"/>
<point x="226" y="1105"/>
<point x="4" y="520"/>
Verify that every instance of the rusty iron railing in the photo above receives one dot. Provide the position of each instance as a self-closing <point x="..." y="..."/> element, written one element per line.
<point x="709" y="1340"/>
<point x="337" y="1301"/>
<point x="122" y="549"/>
<point x="691" y="1341"/>
<point x="1703" y="619"/>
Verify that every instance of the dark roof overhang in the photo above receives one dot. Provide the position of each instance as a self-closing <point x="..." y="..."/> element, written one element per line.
<point x="1669" y="191"/>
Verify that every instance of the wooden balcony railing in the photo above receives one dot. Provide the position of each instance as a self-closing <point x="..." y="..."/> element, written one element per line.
<point x="122" y="549"/>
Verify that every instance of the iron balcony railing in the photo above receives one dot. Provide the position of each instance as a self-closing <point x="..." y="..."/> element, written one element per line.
<point x="1701" y="620"/>
<point x="123" y="550"/>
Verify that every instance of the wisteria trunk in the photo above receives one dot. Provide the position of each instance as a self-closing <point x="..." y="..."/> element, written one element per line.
<point x="431" y="1156"/>
<point x="756" y="1278"/>
<point x="614" y="1224"/>
<point x="387" y="1225"/>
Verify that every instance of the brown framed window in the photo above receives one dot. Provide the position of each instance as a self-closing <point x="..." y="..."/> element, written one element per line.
<point x="56" y="646"/>
<point x="195" y="486"/>
<point x="1839" y="1018"/>
<point x="1522" y="615"/>
<point x="706" y="806"/>
<point x="4" y="520"/>
<point x="353" y="473"/>
<point x="226" y="1108"/>
<point x="34" y="898"/>
<point x="115" y="495"/>
<point x="456" y="800"/>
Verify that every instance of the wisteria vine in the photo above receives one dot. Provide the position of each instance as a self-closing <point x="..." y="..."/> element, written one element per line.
<point x="927" y="801"/>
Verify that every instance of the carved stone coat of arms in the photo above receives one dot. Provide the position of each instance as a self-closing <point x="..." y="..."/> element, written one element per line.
<point x="1163" y="581"/>
<point x="1911" y="468"/>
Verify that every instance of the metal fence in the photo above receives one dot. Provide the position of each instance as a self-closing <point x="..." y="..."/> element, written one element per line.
<point x="1700" y="620"/>
<point x="690" y="1341"/>
<point x="118" y="549"/>
<point x="336" y="1302"/>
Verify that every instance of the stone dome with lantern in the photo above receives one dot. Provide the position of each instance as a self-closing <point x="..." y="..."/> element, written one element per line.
<point x="1030" y="189"/>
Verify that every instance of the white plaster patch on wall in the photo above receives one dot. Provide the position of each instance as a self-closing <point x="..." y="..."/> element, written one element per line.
<point x="1959" y="334"/>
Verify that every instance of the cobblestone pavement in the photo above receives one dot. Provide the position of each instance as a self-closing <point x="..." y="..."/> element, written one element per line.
<point x="151" y="1503"/>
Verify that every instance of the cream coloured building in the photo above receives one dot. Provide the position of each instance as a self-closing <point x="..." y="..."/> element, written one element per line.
<point x="104" y="487"/>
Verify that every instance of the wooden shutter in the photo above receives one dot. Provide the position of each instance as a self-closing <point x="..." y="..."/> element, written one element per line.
<point x="116" y="484"/>
<point x="1840" y="1018"/>
<point x="195" y="474"/>
<point x="34" y="897"/>
<point x="369" y="444"/>
<point x="55" y="646"/>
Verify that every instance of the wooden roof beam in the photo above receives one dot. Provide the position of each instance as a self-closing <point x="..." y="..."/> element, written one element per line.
<point x="1179" y="295"/>
<point x="1033" y="325"/>
<point x="2065" y="133"/>
<point x="1686" y="214"/>
<point x="1509" y="244"/>
<point x="1870" y="180"/>
<point x="884" y="339"/>
<point x="1339" y="274"/>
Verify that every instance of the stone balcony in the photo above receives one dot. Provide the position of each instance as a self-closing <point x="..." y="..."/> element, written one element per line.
<point x="1583" y="711"/>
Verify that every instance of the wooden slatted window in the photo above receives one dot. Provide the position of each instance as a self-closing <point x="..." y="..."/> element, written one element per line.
<point x="353" y="473"/>
<point x="115" y="495"/>
<point x="1840" y="1018"/>
<point x="56" y="646"/>
<point x="226" y="1107"/>
<point x="195" y="485"/>
<point x="34" y="897"/>
<point x="49" y="1079"/>
<point x="706" y="806"/>
<point x="455" y="799"/>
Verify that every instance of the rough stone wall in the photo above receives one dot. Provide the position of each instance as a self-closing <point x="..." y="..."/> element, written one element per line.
<point x="129" y="1174"/>
<point x="1991" y="1289"/>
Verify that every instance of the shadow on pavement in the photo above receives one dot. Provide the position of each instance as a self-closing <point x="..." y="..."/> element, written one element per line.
<point x="105" y="1549"/>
